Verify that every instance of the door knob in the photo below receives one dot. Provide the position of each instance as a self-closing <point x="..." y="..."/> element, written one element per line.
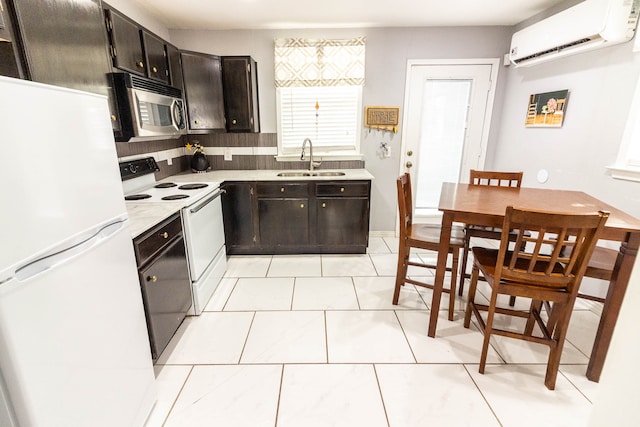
<point x="409" y="165"/>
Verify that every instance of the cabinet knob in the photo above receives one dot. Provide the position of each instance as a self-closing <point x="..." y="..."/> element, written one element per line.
<point x="282" y="189"/>
<point x="113" y="117"/>
<point x="234" y="121"/>
<point x="196" y="122"/>
<point x="301" y="205"/>
<point x="155" y="69"/>
<point x="152" y="279"/>
<point x="164" y="235"/>
<point x="324" y="205"/>
<point x="342" y="189"/>
<point x="140" y="64"/>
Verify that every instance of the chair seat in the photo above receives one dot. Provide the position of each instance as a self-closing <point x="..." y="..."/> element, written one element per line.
<point x="486" y="259"/>
<point x="601" y="263"/>
<point x="430" y="234"/>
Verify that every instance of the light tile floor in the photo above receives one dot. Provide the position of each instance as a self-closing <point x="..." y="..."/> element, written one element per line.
<point x="315" y="341"/>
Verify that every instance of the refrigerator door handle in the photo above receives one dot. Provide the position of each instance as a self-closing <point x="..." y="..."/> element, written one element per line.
<point x="66" y="251"/>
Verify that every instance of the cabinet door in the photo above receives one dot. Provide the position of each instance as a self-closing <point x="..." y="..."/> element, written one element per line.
<point x="284" y="223"/>
<point x="342" y="221"/>
<point x="156" y="57"/>
<point x="175" y="67"/>
<point x="64" y="44"/>
<point x="240" y="81"/>
<point x="126" y="43"/>
<point x="202" y="77"/>
<point x="238" y="216"/>
<point x="166" y="291"/>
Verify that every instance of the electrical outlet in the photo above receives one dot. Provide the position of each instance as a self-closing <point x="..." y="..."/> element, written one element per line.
<point x="227" y="155"/>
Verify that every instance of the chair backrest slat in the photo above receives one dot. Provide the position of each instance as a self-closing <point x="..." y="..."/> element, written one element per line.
<point x="495" y="178"/>
<point x="538" y="258"/>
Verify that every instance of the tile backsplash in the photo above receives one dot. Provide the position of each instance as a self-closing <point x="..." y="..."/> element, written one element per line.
<point x="246" y="150"/>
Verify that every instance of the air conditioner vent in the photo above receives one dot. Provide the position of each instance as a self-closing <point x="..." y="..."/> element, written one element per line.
<point x="555" y="49"/>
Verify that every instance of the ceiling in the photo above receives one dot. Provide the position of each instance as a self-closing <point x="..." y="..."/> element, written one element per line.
<point x="281" y="14"/>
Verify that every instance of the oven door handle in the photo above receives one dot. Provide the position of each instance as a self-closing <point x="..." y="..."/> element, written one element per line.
<point x="209" y="200"/>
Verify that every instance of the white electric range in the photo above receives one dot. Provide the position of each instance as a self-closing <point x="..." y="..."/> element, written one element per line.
<point x="201" y="212"/>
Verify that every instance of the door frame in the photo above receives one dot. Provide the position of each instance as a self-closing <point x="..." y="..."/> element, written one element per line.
<point x="495" y="65"/>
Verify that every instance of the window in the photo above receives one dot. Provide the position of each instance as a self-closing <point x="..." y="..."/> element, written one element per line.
<point x="628" y="163"/>
<point x="319" y="95"/>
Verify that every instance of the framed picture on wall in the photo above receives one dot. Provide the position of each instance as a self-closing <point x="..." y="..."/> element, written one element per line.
<point x="547" y="109"/>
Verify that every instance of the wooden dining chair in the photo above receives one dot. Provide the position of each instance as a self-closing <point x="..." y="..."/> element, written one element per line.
<point x="494" y="179"/>
<point x="422" y="236"/>
<point x="540" y="272"/>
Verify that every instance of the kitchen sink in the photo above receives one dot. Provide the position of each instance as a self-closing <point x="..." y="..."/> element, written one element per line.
<point x="294" y="174"/>
<point x="330" y="173"/>
<point x="327" y="173"/>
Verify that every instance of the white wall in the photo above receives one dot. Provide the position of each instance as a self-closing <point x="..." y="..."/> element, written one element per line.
<point x="388" y="50"/>
<point x="601" y="84"/>
<point x="617" y="402"/>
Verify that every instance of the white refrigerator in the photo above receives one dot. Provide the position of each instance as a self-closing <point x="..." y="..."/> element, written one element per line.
<point x="74" y="349"/>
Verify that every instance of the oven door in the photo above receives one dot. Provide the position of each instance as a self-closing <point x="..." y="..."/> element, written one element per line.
<point x="204" y="233"/>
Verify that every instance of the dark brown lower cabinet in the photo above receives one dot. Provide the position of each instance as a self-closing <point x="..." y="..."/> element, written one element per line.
<point x="238" y="216"/>
<point x="284" y="223"/>
<point x="288" y="217"/>
<point x="341" y="224"/>
<point x="164" y="280"/>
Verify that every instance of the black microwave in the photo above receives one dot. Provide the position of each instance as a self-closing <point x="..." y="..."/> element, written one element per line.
<point x="147" y="109"/>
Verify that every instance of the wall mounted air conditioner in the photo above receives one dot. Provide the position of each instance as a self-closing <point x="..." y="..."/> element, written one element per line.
<point x="588" y="25"/>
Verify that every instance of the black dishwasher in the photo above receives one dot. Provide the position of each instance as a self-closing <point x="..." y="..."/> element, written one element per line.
<point x="164" y="279"/>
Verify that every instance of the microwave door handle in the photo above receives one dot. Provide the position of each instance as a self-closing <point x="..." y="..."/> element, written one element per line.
<point x="175" y="111"/>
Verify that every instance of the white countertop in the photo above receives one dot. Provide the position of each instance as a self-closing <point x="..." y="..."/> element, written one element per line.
<point x="269" y="175"/>
<point x="144" y="215"/>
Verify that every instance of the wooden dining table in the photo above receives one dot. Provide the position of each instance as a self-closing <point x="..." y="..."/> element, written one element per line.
<point x="484" y="205"/>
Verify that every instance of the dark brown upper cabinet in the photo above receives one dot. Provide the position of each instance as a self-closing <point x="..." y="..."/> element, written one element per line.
<point x="202" y="76"/>
<point x="126" y="43"/>
<point x="175" y="67"/>
<point x="134" y="49"/>
<point x="63" y="43"/>
<point x="156" y="57"/>
<point x="240" y="82"/>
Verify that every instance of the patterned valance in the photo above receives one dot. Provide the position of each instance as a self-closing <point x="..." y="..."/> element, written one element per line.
<point x="306" y="62"/>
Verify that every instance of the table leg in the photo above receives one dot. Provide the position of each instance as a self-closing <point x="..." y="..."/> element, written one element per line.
<point x="611" y="308"/>
<point x="441" y="267"/>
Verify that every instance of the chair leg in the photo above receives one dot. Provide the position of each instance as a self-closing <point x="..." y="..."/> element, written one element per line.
<point x="536" y="305"/>
<point x="559" y="336"/>
<point x="487" y="330"/>
<point x="463" y="266"/>
<point x="401" y="270"/>
<point x="471" y="297"/>
<point x="454" y="280"/>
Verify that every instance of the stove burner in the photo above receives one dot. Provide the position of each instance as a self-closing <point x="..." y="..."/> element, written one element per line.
<point x="137" y="197"/>
<point x="175" y="197"/>
<point x="195" y="186"/>
<point x="166" y="185"/>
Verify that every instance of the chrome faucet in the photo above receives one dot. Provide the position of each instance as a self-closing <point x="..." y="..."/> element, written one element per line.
<point x="312" y="164"/>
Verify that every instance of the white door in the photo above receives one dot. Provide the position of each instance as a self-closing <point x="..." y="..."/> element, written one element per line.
<point x="446" y="124"/>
